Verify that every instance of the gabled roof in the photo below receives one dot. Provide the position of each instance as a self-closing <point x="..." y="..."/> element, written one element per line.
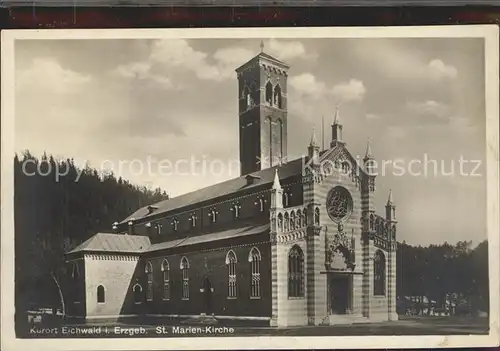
<point x="261" y="178"/>
<point x="110" y="242"/>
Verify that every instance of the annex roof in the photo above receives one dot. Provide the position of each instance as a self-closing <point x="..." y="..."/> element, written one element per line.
<point x="220" y="235"/>
<point x="110" y="242"/>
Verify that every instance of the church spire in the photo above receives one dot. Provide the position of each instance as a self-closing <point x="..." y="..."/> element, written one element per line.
<point x="313" y="138"/>
<point x="336" y="129"/>
<point x="368" y="154"/>
<point x="276" y="182"/>
<point x="389" y="200"/>
<point x="336" y="117"/>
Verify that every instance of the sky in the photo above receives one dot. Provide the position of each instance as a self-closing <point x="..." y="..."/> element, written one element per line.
<point x="125" y="104"/>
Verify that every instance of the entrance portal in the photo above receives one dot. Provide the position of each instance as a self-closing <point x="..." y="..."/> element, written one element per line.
<point x="207" y="295"/>
<point x="339" y="294"/>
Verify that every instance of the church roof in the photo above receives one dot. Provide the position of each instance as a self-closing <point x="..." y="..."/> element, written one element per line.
<point x="235" y="185"/>
<point x="110" y="242"/>
<point x="265" y="57"/>
<point x="205" y="238"/>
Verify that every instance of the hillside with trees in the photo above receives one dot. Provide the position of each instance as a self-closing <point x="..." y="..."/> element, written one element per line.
<point x="54" y="214"/>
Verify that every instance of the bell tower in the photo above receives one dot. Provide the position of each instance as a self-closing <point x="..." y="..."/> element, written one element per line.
<point x="262" y="108"/>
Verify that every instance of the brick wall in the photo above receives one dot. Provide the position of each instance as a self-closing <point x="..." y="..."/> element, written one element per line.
<point x="211" y="263"/>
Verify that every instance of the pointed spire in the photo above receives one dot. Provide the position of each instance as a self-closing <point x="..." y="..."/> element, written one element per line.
<point x="389" y="200"/>
<point x="313" y="138"/>
<point x="276" y="182"/>
<point x="368" y="149"/>
<point x="262" y="46"/>
<point x="336" y="117"/>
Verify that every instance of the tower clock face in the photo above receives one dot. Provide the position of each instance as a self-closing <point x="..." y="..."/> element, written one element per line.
<point x="339" y="204"/>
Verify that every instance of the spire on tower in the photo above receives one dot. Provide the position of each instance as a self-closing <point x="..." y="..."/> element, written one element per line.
<point x="313" y="138"/>
<point x="336" y="117"/>
<point x="276" y="182"/>
<point x="368" y="149"/>
<point x="262" y="46"/>
<point x="389" y="200"/>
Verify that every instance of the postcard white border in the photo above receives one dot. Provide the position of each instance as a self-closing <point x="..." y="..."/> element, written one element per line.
<point x="490" y="33"/>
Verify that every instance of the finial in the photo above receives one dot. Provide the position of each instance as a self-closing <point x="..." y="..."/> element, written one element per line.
<point x="276" y="182"/>
<point x="336" y="118"/>
<point x="262" y="46"/>
<point x="313" y="138"/>
<point x="389" y="200"/>
<point x="368" y="149"/>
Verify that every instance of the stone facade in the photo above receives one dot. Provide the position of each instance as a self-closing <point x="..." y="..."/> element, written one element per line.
<point x="293" y="242"/>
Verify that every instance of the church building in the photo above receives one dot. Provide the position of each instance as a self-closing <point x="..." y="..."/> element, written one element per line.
<point x="289" y="242"/>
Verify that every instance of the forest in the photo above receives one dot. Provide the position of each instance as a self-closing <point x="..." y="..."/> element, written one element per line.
<point x="54" y="214"/>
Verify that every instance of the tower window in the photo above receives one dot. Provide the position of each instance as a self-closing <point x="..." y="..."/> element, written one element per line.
<point x="316" y="216"/>
<point x="277" y="96"/>
<point x="213" y="215"/>
<point x="236" y="210"/>
<point x="269" y="93"/>
<point x="175" y="224"/>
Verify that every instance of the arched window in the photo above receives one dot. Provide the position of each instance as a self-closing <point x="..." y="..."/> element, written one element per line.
<point x="75" y="272"/>
<point x="280" y="222"/>
<point x="100" y="294"/>
<point x="280" y="143"/>
<point x="271" y="158"/>
<point x="292" y="220"/>
<point x="149" y="276"/>
<point x="213" y="215"/>
<point x="269" y="93"/>
<point x="185" y="278"/>
<point x="165" y="268"/>
<point x="175" y="224"/>
<point x="254" y="258"/>
<point x="304" y="214"/>
<point x="75" y="276"/>
<point x="285" y="199"/>
<point x="248" y="98"/>
<point x="295" y="272"/>
<point x="231" y="267"/>
<point x="393" y="232"/>
<point x="261" y="204"/>
<point x="316" y="216"/>
<point x="277" y="96"/>
<point x="137" y="293"/>
<point x="286" y="223"/>
<point x="372" y="222"/>
<point x="236" y="211"/>
<point x="379" y="273"/>
<point x="299" y="219"/>
<point x="192" y="219"/>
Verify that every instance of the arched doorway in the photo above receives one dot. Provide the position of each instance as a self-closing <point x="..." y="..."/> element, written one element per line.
<point x="207" y="290"/>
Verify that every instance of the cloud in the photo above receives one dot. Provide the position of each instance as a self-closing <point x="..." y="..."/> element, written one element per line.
<point x="438" y="70"/>
<point x="430" y="108"/>
<point x="48" y="76"/>
<point x="396" y="132"/>
<point x="354" y="90"/>
<point x="288" y="50"/>
<point x="142" y="71"/>
<point x="372" y="116"/>
<point x="307" y="85"/>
